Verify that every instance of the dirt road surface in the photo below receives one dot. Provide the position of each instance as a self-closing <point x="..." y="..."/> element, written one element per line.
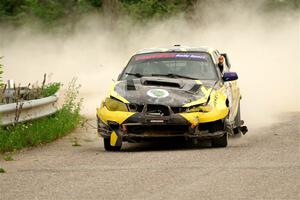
<point x="264" y="164"/>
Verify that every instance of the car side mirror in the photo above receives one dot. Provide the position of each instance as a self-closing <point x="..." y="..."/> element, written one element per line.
<point x="230" y="76"/>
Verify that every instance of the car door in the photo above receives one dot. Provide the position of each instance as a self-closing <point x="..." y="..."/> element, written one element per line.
<point x="233" y="94"/>
<point x="232" y="91"/>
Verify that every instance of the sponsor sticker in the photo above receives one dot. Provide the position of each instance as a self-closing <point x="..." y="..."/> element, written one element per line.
<point x="155" y="56"/>
<point x="158" y="93"/>
<point x="196" y="56"/>
<point x="157" y="121"/>
<point x="182" y="55"/>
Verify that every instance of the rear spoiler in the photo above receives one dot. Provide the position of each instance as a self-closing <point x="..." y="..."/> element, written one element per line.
<point x="226" y="59"/>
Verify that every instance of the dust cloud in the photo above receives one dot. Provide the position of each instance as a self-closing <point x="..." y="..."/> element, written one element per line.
<point x="264" y="50"/>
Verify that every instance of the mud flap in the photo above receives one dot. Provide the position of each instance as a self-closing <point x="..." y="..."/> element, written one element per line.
<point x="115" y="138"/>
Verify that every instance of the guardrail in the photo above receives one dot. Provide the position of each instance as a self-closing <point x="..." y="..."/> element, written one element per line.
<point x="32" y="109"/>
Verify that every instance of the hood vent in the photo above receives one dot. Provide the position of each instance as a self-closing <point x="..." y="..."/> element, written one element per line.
<point x="161" y="83"/>
<point x="195" y="88"/>
<point x="130" y="85"/>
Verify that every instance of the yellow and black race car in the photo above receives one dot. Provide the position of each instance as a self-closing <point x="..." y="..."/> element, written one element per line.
<point x="172" y="92"/>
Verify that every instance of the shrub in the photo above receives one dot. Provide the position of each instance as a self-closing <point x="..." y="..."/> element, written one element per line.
<point x="2" y="170"/>
<point x="1" y="72"/>
<point x="45" y="129"/>
<point x="50" y="89"/>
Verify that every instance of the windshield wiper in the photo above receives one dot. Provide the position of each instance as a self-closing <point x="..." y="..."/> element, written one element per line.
<point x="138" y="75"/>
<point x="174" y="76"/>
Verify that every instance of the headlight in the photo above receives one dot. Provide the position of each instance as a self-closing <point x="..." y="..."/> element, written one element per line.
<point x="115" y="105"/>
<point x="200" y="108"/>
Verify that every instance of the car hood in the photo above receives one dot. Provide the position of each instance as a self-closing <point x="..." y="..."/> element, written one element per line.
<point x="174" y="92"/>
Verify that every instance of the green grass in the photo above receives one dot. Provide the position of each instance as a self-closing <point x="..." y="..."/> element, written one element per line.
<point x="50" y="89"/>
<point x="75" y="142"/>
<point x="37" y="132"/>
<point x="45" y="129"/>
<point x="2" y="170"/>
<point x="1" y="73"/>
<point x="8" y="158"/>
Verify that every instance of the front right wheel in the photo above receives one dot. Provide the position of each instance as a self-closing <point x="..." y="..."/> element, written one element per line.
<point x="221" y="141"/>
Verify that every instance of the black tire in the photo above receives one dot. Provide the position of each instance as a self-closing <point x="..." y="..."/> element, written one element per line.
<point x="108" y="147"/>
<point x="221" y="141"/>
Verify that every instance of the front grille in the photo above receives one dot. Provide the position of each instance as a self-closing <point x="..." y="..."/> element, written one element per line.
<point x="136" y="107"/>
<point x="178" y="109"/>
<point x="139" y="108"/>
<point x="158" y="129"/>
<point x="160" y="110"/>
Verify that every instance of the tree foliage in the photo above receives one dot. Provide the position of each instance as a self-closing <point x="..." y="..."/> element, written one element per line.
<point x="52" y="11"/>
<point x="147" y="9"/>
<point x="1" y="73"/>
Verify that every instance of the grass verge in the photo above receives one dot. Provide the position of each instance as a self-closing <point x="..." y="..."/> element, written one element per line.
<point x="8" y="158"/>
<point x="45" y="129"/>
<point x="2" y="170"/>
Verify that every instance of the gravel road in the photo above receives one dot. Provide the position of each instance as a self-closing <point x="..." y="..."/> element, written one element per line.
<point x="264" y="164"/>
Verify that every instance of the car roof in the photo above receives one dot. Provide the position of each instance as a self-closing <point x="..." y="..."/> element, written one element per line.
<point x="175" y="48"/>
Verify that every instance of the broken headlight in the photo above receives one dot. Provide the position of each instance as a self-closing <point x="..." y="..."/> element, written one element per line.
<point x="200" y="108"/>
<point x="115" y="105"/>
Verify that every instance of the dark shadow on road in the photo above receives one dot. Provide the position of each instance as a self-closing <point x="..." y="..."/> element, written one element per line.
<point x="167" y="145"/>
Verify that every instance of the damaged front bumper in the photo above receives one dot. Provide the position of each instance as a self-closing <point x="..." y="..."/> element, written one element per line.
<point x="140" y="127"/>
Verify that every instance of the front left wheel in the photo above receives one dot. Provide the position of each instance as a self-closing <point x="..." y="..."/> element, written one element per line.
<point x="109" y="147"/>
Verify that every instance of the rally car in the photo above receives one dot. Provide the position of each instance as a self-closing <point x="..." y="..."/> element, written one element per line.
<point x="172" y="92"/>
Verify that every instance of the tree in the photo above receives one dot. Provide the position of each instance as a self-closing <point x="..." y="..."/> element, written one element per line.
<point x="1" y="72"/>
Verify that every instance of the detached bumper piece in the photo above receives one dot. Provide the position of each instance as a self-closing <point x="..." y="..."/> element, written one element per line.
<point x="240" y="129"/>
